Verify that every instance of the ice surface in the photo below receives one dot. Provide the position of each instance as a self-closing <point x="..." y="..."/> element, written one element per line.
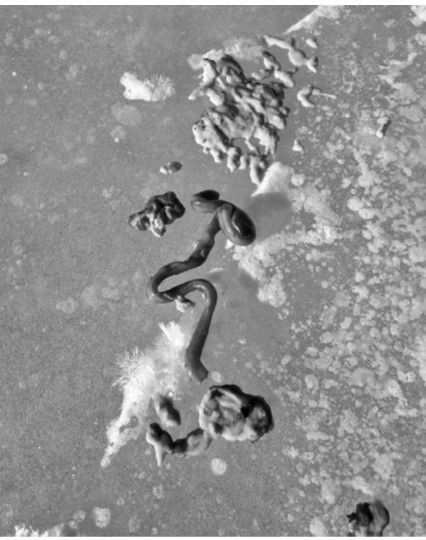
<point x="324" y="315"/>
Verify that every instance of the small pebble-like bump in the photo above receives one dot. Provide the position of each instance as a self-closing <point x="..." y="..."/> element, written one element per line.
<point x="217" y="377"/>
<point x="134" y="524"/>
<point x="298" y="180"/>
<point x="297" y="147"/>
<point x="17" y="200"/>
<point x="101" y="517"/>
<point x="317" y="527"/>
<point x="158" y="492"/>
<point x="218" y="466"/>
<point x="67" y="306"/>
<point x="80" y="515"/>
<point x="128" y="115"/>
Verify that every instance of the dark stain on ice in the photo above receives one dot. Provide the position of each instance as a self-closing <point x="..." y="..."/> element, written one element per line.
<point x="247" y="281"/>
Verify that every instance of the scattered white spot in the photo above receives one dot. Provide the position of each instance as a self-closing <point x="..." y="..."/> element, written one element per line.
<point x="58" y="530"/>
<point x="420" y="15"/>
<point x="317" y="527"/>
<point x="285" y="360"/>
<point x="110" y="293"/>
<point x="362" y="377"/>
<point x="273" y="292"/>
<point x="312" y="42"/>
<point x="80" y="515"/>
<point x="134" y="524"/>
<point x="67" y="306"/>
<point x="311" y="382"/>
<point x="3" y="159"/>
<point x="355" y="204"/>
<point x="158" y="492"/>
<point x="17" y="200"/>
<point x="217" y="377"/>
<point x="361" y="484"/>
<point x="383" y="465"/>
<point x="128" y="115"/>
<point x="406" y="377"/>
<point x="89" y="296"/>
<point x="328" y="491"/>
<point x="101" y="517"/>
<point x="157" y="88"/>
<point x="421" y="39"/>
<point x="218" y="466"/>
<point x="74" y="70"/>
<point x="23" y="530"/>
<point x="77" y="518"/>
<point x="346" y="323"/>
<point x="417" y="254"/>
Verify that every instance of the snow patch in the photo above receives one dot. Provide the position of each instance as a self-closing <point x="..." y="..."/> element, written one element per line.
<point x="308" y="22"/>
<point x="276" y="180"/>
<point x="157" y="88"/>
<point x="318" y="528"/>
<point x="240" y="48"/>
<point x="420" y="15"/>
<point x="142" y="375"/>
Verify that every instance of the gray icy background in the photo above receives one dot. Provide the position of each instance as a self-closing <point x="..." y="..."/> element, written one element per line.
<point x="326" y="320"/>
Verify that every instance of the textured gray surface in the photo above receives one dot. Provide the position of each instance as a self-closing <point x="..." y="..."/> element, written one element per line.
<point x="324" y="316"/>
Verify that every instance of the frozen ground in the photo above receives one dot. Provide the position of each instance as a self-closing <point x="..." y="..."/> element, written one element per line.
<point x="323" y="315"/>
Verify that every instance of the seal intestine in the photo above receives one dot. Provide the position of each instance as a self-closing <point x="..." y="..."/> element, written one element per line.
<point x="250" y="109"/>
<point x="242" y="127"/>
